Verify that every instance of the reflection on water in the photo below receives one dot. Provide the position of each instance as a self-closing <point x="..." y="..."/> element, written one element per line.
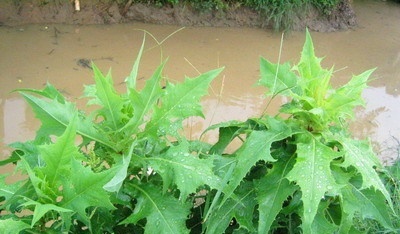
<point x="31" y="55"/>
<point x="380" y="121"/>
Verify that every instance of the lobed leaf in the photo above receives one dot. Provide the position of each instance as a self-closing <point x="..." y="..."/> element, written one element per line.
<point x="108" y="98"/>
<point x="278" y="78"/>
<point x="272" y="190"/>
<point x="56" y="116"/>
<point x="240" y="206"/>
<point x="180" y="102"/>
<point x="145" y="100"/>
<point x="187" y="171"/>
<point x="164" y="214"/>
<point x="313" y="174"/>
<point x="256" y="147"/>
<point x="359" y="154"/>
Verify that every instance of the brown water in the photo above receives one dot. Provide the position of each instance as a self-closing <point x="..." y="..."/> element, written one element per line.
<point x="31" y="55"/>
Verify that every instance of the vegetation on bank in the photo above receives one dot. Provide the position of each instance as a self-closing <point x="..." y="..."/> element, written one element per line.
<point x="127" y="167"/>
<point x="278" y="13"/>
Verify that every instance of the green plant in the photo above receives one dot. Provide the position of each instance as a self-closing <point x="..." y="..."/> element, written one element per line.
<point x="126" y="167"/>
<point x="304" y="172"/>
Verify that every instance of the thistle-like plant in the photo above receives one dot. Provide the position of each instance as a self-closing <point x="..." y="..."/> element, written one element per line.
<point x="304" y="172"/>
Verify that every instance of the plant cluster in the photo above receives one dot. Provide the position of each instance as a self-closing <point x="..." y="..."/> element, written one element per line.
<point x="126" y="167"/>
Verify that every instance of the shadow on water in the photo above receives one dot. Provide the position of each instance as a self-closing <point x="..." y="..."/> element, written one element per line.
<point x="31" y="55"/>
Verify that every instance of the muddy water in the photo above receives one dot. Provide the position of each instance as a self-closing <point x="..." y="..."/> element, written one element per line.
<point x="32" y="55"/>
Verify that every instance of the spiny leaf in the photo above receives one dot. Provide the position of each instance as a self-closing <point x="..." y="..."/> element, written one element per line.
<point x="180" y="102"/>
<point x="309" y="66"/>
<point x="188" y="171"/>
<point x="56" y="116"/>
<point x="359" y="154"/>
<point x="342" y="102"/>
<point x="278" y="78"/>
<point x="256" y="147"/>
<point x="272" y="190"/>
<point x="58" y="156"/>
<point x="112" y="103"/>
<point x="84" y="189"/>
<point x="131" y="79"/>
<point x="164" y="214"/>
<point x="312" y="173"/>
<point x="42" y="209"/>
<point x="142" y="102"/>
<point x="240" y="205"/>
<point x="368" y="203"/>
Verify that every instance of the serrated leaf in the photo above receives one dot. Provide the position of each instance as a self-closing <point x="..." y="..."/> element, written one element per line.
<point x="49" y="92"/>
<point x="240" y="206"/>
<point x="131" y="79"/>
<point x="342" y="102"/>
<point x="142" y="102"/>
<point x="58" y="156"/>
<point x="84" y="189"/>
<point x="313" y="174"/>
<point x="56" y="116"/>
<point x="309" y="66"/>
<point x="188" y="171"/>
<point x="359" y="154"/>
<point x="180" y="102"/>
<point x="272" y="190"/>
<point x="10" y="226"/>
<point x="366" y="202"/>
<point x="111" y="102"/>
<point x="42" y="209"/>
<point x="256" y="147"/>
<point x="164" y="214"/>
<point x="278" y="78"/>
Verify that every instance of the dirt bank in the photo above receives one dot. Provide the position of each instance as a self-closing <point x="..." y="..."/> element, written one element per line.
<point x="96" y="12"/>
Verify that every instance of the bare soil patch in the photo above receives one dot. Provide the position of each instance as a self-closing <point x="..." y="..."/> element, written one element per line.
<point x="95" y="12"/>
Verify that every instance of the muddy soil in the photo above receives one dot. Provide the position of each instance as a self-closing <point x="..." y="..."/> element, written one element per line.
<point x="97" y="12"/>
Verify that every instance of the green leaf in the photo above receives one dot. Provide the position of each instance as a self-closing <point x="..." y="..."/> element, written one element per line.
<point x="321" y="224"/>
<point x="42" y="209"/>
<point x="368" y="203"/>
<point x="142" y="102"/>
<point x="256" y="147"/>
<point x="188" y="171"/>
<point x="58" y="157"/>
<point x="84" y="188"/>
<point x="116" y="182"/>
<point x="164" y="214"/>
<point x="359" y="154"/>
<point x="56" y="116"/>
<point x="313" y="174"/>
<point x="180" y="102"/>
<point x="272" y="190"/>
<point x="278" y="78"/>
<point x="131" y="79"/>
<point x="342" y="102"/>
<point x="241" y="206"/>
<point x="10" y="226"/>
<point x="108" y="98"/>
<point x="49" y="92"/>
<point x="309" y="66"/>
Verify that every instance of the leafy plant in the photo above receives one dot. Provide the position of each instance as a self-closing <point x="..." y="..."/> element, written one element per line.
<point x="126" y="167"/>
<point x="304" y="172"/>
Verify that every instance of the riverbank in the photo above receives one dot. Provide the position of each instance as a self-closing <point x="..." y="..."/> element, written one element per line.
<point x="97" y="12"/>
